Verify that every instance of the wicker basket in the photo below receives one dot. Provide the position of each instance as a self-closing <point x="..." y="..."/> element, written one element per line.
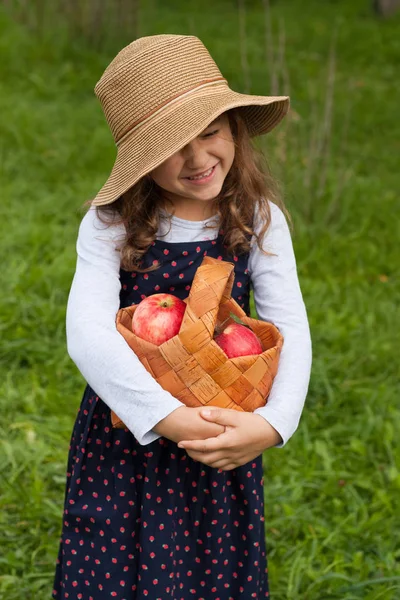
<point x="191" y="365"/>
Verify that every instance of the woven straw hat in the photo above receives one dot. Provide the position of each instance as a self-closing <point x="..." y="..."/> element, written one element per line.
<point x="159" y="93"/>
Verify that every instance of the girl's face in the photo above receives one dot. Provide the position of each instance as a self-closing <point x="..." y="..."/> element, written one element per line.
<point x="193" y="177"/>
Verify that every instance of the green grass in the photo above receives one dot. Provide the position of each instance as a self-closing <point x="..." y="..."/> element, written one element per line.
<point x="331" y="516"/>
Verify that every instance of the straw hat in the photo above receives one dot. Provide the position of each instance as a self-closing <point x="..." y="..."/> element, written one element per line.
<point x="159" y="93"/>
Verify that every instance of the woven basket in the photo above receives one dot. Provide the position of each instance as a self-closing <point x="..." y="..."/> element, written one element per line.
<point x="191" y="365"/>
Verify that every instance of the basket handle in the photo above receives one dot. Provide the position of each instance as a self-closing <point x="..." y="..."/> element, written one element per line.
<point x="211" y="286"/>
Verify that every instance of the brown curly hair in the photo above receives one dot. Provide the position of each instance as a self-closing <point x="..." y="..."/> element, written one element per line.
<point x="248" y="182"/>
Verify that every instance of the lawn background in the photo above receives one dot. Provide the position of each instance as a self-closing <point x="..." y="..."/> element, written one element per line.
<point x="331" y="495"/>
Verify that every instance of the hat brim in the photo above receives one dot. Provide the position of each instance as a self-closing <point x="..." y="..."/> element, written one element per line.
<point x="149" y="145"/>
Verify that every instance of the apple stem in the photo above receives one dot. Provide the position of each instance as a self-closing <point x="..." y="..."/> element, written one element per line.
<point x="219" y="328"/>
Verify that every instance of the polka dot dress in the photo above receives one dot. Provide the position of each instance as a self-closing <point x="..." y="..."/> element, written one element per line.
<point x="148" y="521"/>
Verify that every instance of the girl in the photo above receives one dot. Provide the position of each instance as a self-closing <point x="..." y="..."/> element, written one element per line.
<point x="171" y="507"/>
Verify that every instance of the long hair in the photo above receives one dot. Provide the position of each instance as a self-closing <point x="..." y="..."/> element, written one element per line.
<point x="249" y="183"/>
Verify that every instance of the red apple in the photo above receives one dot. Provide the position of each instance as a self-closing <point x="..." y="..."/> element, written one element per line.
<point x="158" y="318"/>
<point x="238" y="340"/>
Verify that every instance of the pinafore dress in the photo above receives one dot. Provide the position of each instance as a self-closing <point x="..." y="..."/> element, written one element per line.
<point x="149" y="521"/>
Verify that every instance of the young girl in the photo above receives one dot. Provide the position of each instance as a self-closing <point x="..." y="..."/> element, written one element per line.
<point x="171" y="507"/>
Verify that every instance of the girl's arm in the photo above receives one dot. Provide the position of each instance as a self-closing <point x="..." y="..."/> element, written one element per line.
<point x="99" y="351"/>
<point x="278" y="299"/>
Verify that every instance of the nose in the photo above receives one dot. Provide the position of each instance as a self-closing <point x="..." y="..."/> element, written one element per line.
<point x="194" y="155"/>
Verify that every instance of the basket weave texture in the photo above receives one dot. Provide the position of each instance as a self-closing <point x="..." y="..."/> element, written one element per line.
<point x="191" y="365"/>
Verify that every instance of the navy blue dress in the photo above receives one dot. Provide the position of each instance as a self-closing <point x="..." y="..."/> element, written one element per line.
<point x="149" y="521"/>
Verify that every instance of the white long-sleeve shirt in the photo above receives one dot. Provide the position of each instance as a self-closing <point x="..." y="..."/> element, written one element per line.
<point x="113" y="370"/>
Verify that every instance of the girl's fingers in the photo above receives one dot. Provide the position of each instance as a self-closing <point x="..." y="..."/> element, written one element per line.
<point x="207" y="459"/>
<point x="225" y="465"/>
<point x="208" y="445"/>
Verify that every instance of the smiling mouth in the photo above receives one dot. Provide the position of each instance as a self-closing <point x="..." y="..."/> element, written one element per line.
<point x="203" y="175"/>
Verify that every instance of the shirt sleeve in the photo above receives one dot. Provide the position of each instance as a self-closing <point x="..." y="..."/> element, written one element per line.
<point x="99" y="351"/>
<point x="278" y="299"/>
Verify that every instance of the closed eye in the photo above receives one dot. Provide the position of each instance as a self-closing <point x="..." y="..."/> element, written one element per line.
<point x="211" y="133"/>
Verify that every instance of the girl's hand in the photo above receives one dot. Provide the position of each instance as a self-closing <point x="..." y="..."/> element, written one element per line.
<point x="247" y="435"/>
<point x="186" y="423"/>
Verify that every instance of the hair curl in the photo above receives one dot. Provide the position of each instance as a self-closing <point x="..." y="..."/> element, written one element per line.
<point x="248" y="183"/>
